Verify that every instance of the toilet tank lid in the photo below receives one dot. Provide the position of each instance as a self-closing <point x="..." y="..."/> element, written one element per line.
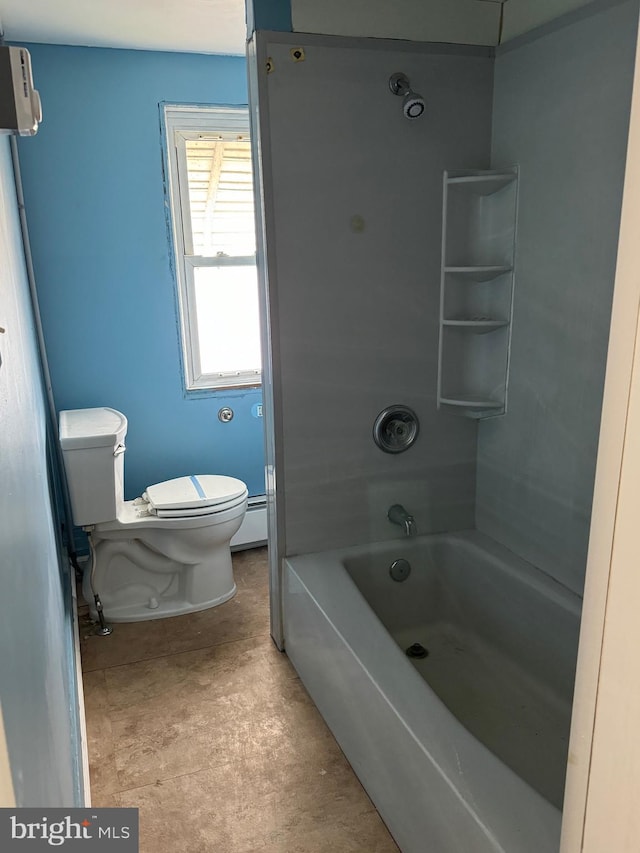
<point x="195" y="491"/>
<point x="99" y="427"/>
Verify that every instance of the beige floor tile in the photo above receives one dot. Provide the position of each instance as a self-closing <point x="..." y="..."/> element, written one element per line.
<point x="214" y="670"/>
<point x="251" y="568"/>
<point x="100" y="744"/>
<point x="204" y="725"/>
<point x="252" y="558"/>
<point x="167" y="736"/>
<point x="365" y="834"/>
<point x="94" y="685"/>
<point x="245" y="615"/>
<point x="102" y="800"/>
<point x="252" y="805"/>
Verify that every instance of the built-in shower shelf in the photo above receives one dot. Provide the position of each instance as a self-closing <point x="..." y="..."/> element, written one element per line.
<point x="485" y="184"/>
<point x="476" y="290"/>
<point x="477" y="327"/>
<point x="471" y="406"/>
<point x="478" y="273"/>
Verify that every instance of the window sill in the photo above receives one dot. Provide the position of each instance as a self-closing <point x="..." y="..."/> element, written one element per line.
<point x="226" y="391"/>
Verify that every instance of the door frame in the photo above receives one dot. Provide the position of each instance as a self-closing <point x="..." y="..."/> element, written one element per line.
<point x="7" y="797"/>
<point x="603" y="772"/>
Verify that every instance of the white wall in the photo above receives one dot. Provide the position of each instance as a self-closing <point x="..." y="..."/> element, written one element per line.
<point x="456" y="21"/>
<point x="561" y="111"/>
<point x="520" y="16"/>
<point x="355" y="313"/>
<point x="38" y="695"/>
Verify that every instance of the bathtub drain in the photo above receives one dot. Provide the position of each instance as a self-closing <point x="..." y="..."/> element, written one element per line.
<point x="400" y="570"/>
<point x="417" y="650"/>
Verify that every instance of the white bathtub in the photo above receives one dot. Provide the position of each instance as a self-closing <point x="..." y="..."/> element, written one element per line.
<point x="465" y="750"/>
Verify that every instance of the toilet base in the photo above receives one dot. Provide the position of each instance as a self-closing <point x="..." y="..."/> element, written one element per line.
<point x="136" y="583"/>
<point x="136" y="612"/>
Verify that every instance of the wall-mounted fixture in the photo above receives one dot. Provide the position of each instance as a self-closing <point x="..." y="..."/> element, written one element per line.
<point x="413" y="104"/>
<point x="20" y="108"/>
<point x="395" y="429"/>
<point x="476" y="290"/>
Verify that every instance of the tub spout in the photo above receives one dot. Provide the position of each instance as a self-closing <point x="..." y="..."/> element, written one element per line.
<point x="397" y="514"/>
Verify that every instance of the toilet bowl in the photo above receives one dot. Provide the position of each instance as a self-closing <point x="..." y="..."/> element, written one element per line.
<point x="162" y="554"/>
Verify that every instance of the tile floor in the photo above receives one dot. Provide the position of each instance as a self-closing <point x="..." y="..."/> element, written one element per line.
<point x="204" y="726"/>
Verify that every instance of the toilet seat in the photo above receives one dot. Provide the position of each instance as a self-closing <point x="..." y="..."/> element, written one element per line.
<point x="199" y="494"/>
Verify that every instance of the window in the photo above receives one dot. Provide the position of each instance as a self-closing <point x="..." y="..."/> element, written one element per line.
<point x="211" y="194"/>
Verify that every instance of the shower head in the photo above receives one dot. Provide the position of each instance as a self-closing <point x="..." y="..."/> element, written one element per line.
<point x="413" y="104"/>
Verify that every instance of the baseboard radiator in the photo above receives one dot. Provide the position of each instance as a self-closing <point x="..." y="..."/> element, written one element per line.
<point x="253" y="530"/>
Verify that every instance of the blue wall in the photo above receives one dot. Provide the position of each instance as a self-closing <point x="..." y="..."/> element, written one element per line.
<point x="37" y="675"/>
<point x="93" y="182"/>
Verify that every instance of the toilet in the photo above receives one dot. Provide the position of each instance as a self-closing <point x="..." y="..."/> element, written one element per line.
<point x="162" y="554"/>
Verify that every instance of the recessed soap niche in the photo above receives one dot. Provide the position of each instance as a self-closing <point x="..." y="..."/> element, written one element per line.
<point x="476" y="290"/>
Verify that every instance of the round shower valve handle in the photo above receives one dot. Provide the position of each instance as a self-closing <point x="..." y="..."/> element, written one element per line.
<point x="395" y="429"/>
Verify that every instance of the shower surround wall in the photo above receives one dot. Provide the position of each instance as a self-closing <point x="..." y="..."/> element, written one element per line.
<point x="561" y="110"/>
<point x="356" y="229"/>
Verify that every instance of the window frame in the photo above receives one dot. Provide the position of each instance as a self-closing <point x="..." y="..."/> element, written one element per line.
<point x="183" y="123"/>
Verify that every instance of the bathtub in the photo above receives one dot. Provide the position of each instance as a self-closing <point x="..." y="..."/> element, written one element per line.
<point x="464" y="750"/>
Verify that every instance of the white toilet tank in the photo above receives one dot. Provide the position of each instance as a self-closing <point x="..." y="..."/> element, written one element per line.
<point x="92" y="442"/>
